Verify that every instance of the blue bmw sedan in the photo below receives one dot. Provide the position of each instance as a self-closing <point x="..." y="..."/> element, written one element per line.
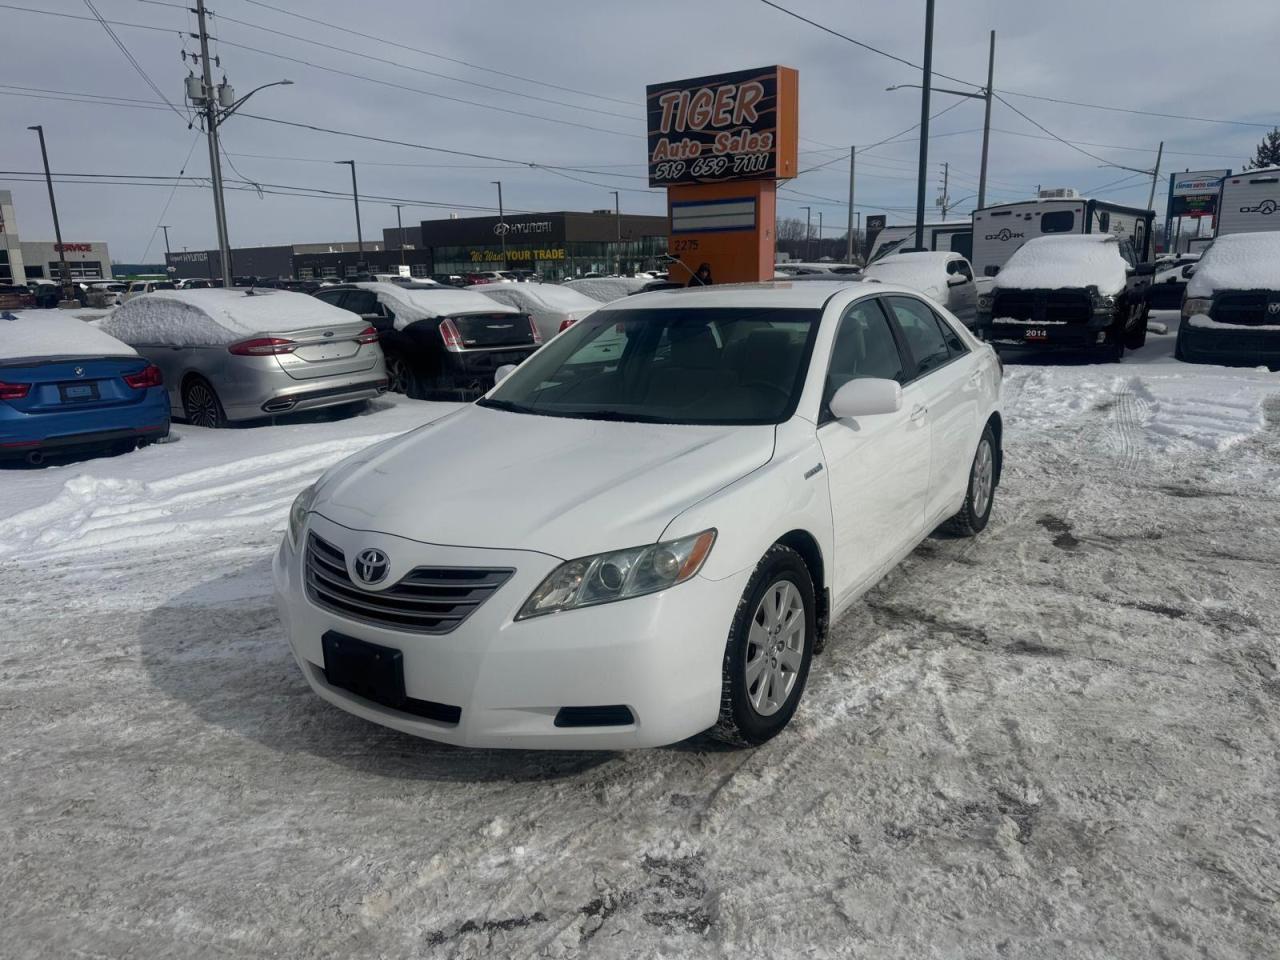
<point x="68" y="388"/>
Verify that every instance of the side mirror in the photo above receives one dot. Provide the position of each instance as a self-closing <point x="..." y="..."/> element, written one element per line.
<point x="866" y="397"/>
<point x="1145" y="269"/>
<point x="1189" y="271"/>
<point x="503" y="372"/>
<point x="957" y="280"/>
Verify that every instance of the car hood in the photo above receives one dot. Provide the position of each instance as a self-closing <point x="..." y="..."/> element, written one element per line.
<point x="559" y="486"/>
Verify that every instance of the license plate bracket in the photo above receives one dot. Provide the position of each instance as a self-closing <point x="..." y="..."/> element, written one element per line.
<point x="77" y="392"/>
<point x="366" y="669"/>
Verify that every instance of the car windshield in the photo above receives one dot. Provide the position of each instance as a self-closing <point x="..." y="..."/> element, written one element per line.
<point x="689" y="366"/>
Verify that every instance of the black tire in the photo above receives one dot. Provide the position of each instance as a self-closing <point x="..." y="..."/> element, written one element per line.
<point x="973" y="516"/>
<point x="741" y="723"/>
<point x="400" y="376"/>
<point x="200" y="404"/>
<point x="1113" y="349"/>
<point x="1136" y="338"/>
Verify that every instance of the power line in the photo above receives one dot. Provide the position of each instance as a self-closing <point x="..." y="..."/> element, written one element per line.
<point x="172" y="193"/>
<point x="132" y="60"/>
<point x="1041" y="126"/>
<point x="879" y="143"/>
<point x="439" y="56"/>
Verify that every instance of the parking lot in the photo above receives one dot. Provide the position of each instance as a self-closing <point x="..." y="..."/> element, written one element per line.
<point x="1060" y="739"/>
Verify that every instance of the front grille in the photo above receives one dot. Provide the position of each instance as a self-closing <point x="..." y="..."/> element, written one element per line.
<point x="425" y="600"/>
<point x="1043" y="306"/>
<point x="1246" y="309"/>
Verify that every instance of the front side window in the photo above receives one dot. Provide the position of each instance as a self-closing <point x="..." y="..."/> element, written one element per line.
<point x="919" y="328"/>
<point x="864" y="347"/>
<point x="710" y="366"/>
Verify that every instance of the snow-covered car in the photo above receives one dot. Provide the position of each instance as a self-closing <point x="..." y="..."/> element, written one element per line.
<point x="238" y="354"/>
<point x="552" y="307"/>
<point x="67" y="387"/>
<point x="441" y="343"/>
<point x="944" y="276"/>
<point x="138" y="287"/>
<point x="479" y="277"/>
<point x="1169" y="284"/>
<point x="1231" y="313"/>
<point x="825" y="269"/>
<point x="607" y="289"/>
<point x="625" y="553"/>
<point x="1075" y="291"/>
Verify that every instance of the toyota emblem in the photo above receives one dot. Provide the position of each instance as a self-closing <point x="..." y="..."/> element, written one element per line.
<point x="372" y="566"/>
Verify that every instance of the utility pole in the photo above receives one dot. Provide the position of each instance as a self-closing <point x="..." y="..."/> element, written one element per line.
<point x="166" y="238"/>
<point x="400" y="230"/>
<point x="1155" y="175"/>
<point x="215" y="161"/>
<point x="819" y="234"/>
<point x="986" y="123"/>
<point x="946" y="182"/>
<point x="53" y="207"/>
<point x="848" y="252"/>
<point x="808" y="219"/>
<point x="617" y="214"/>
<point x="502" y="222"/>
<point x="355" y="197"/>
<point x="922" y="173"/>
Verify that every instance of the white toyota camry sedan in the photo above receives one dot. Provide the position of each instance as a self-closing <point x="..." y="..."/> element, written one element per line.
<point x="644" y="530"/>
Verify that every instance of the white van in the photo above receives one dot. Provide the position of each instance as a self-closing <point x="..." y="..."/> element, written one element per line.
<point x="998" y="231"/>
<point x="1249" y="202"/>
<point x="942" y="237"/>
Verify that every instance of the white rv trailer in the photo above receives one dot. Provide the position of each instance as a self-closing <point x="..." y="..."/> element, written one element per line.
<point x="1249" y="202"/>
<point x="1001" y="229"/>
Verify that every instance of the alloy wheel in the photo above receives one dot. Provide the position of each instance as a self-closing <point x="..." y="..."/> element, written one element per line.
<point x="983" y="478"/>
<point x="202" y="406"/>
<point x="775" y="648"/>
<point x="397" y="376"/>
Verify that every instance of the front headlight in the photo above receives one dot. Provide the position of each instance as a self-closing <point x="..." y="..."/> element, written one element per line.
<point x="298" y="513"/>
<point x="984" y="301"/>
<point x="1103" y="303"/>
<point x="606" y="577"/>
<point x="1194" y="305"/>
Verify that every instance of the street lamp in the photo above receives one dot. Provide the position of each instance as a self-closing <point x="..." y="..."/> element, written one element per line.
<point x="53" y="206"/>
<point x="985" y="95"/>
<point x="502" y="221"/>
<point x="355" y="196"/>
<point x="808" y="219"/>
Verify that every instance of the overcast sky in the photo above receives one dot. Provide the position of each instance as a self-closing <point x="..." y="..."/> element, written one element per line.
<point x="1172" y="57"/>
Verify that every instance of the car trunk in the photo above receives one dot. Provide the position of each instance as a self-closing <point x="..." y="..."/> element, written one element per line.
<point x="480" y="330"/>
<point x="67" y="386"/>
<point x="328" y="352"/>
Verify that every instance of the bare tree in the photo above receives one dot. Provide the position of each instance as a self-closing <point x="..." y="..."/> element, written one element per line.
<point x="790" y="228"/>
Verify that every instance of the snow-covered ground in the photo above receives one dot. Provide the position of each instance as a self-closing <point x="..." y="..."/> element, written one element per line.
<point x="1060" y="739"/>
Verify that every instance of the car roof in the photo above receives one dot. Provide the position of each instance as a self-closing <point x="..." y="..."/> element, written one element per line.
<point x="781" y="294"/>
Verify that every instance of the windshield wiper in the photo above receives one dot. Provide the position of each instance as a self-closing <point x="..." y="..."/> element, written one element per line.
<point x="620" y="416"/>
<point x="504" y="405"/>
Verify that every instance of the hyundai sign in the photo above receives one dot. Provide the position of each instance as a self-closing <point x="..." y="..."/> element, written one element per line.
<point x="735" y="126"/>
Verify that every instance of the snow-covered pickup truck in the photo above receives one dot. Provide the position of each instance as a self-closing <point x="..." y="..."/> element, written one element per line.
<point x="1231" y="313"/>
<point x="1083" y="291"/>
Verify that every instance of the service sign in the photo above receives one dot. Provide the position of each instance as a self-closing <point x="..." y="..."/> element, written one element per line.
<point x="735" y="126"/>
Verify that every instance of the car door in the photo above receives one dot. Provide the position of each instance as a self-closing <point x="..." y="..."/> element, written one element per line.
<point x="946" y="382"/>
<point x="878" y="466"/>
<point x="962" y="292"/>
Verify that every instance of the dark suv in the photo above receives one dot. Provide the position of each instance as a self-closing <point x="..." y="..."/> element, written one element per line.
<point x="441" y="343"/>
<point x="1078" y="291"/>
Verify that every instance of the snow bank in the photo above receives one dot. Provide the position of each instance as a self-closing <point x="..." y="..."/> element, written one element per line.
<point x="193" y="318"/>
<point x="1240" y="261"/>
<point x="924" y="271"/>
<point x="605" y="289"/>
<point x="1058" y="263"/>
<point x="411" y="304"/>
<point x="52" y="333"/>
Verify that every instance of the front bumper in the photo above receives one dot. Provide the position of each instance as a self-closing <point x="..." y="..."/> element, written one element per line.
<point x="1095" y="332"/>
<point x="660" y="655"/>
<point x="1243" y="346"/>
<point x="73" y="443"/>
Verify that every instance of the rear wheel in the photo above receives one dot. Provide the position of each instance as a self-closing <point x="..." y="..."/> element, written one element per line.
<point x="201" y="405"/>
<point x="769" y="650"/>
<point x="400" y="378"/>
<point x="973" y="516"/>
<point x="1136" y="338"/>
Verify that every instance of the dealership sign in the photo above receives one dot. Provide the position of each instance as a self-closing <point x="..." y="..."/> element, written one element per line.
<point x="1195" y="193"/>
<point x="735" y="126"/>
<point x="73" y="247"/>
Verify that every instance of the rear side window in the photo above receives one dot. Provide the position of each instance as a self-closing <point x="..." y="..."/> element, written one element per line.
<point x="864" y="347"/>
<point x="1059" y="221"/>
<point x="921" y="331"/>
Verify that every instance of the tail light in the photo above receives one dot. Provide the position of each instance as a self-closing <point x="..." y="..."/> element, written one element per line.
<point x="566" y="324"/>
<point x="13" y="391"/>
<point x="367" y="335"/>
<point x="148" y="376"/>
<point x="449" y="334"/>
<point x="533" y="328"/>
<point x="262" y="347"/>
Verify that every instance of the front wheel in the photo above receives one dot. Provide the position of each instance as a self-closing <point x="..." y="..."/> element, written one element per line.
<point x="981" y="494"/>
<point x="769" y="650"/>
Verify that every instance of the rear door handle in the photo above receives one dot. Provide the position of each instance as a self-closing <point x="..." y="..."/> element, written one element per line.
<point x="918" y="413"/>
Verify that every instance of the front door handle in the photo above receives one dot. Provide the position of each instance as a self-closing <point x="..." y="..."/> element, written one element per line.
<point x="918" y="413"/>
